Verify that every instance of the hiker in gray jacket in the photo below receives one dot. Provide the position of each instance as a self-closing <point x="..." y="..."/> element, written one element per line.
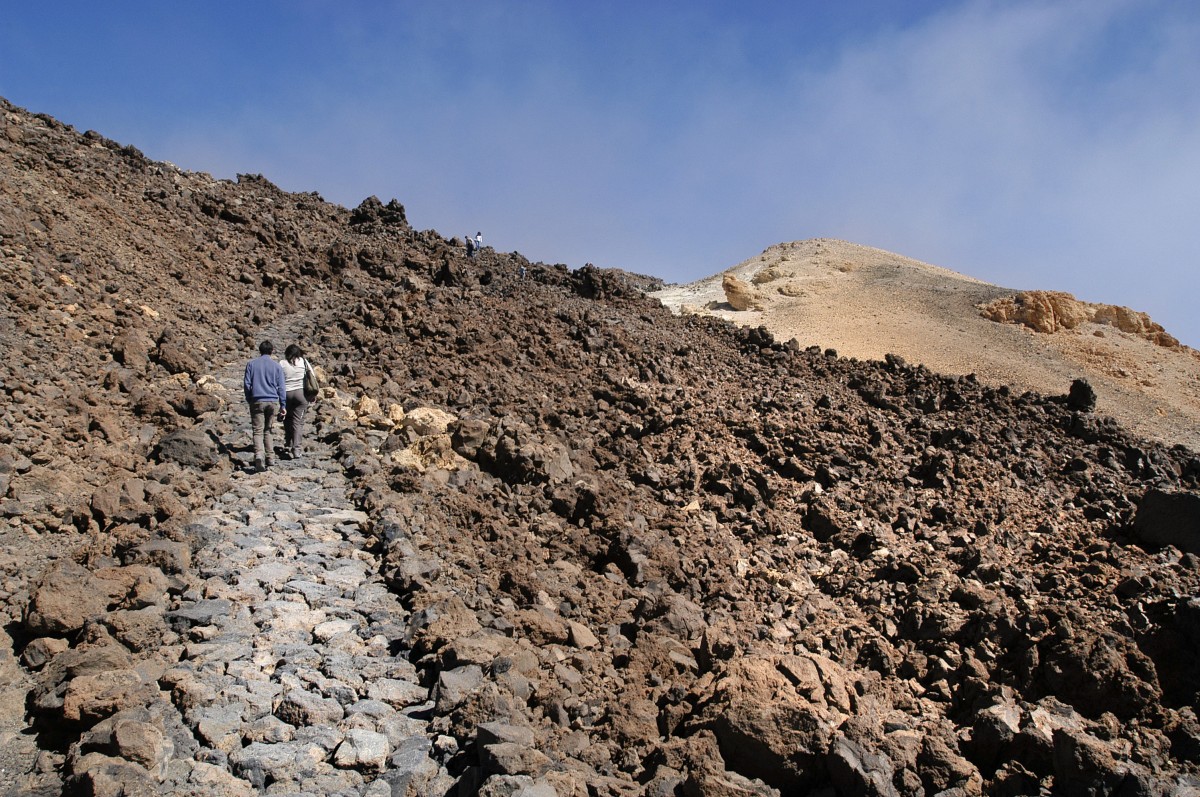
<point x="265" y="393"/>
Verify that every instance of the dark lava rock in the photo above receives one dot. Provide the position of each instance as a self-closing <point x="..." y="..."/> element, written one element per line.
<point x="1169" y="518"/>
<point x="191" y="447"/>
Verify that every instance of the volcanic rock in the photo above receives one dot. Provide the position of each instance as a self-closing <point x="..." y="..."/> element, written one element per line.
<point x="543" y="535"/>
<point x="1169" y="518"/>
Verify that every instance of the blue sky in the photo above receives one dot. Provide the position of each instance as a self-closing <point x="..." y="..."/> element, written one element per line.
<point x="1033" y="144"/>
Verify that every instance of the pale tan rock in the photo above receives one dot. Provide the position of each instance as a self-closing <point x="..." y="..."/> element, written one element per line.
<point x="428" y="453"/>
<point x="367" y="406"/>
<point x="397" y="693"/>
<point x="428" y="420"/>
<point x="395" y="414"/>
<point x="363" y="749"/>
<point x="1055" y="311"/>
<point x="769" y="274"/>
<point x="740" y="295"/>
<point x="331" y="628"/>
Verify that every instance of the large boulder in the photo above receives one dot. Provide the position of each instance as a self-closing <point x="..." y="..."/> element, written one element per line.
<point x="1169" y="518"/>
<point x="774" y="718"/>
<point x="741" y="295"/>
<point x="518" y="454"/>
<point x="67" y="596"/>
<point x="193" y="448"/>
<point x="176" y="358"/>
<point x="426" y="421"/>
<point x="131" y="348"/>
<point x="122" y="500"/>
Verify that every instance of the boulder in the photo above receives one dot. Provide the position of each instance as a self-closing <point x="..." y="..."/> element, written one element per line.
<point x="510" y="758"/>
<point x="109" y="425"/>
<point x="176" y="358"/>
<point x="66" y="597"/>
<point x="194" y="448"/>
<point x="166" y="555"/>
<point x="133" y="736"/>
<point x="212" y="779"/>
<point x="1054" y="311"/>
<point x="90" y="698"/>
<point x="367" y="407"/>
<point x="131" y="348"/>
<point x="261" y="764"/>
<point x="122" y="500"/>
<point x="466" y="436"/>
<point x="41" y="650"/>
<point x="412" y="770"/>
<point x="202" y="612"/>
<point x="397" y="693"/>
<point x="489" y="733"/>
<point x="773" y="717"/>
<point x="363" y="749"/>
<point x="455" y="687"/>
<point x="1084" y="765"/>
<point x="427" y="421"/>
<point x="581" y="636"/>
<point x="521" y="456"/>
<point x="1169" y="518"/>
<point x="1082" y="396"/>
<point x="102" y="775"/>
<point x="299" y="708"/>
<point x="141" y="630"/>
<point x="859" y="772"/>
<point x="193" y="404"/>
<point x="740" y="295"/>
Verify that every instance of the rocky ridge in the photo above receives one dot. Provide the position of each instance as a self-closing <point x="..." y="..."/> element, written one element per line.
<point x="550" y="539"/>
<point x="1054" y="311"/>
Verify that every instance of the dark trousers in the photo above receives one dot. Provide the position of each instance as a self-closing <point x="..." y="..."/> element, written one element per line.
<point x="293" y="422"/>
<point x="262" y="418"/>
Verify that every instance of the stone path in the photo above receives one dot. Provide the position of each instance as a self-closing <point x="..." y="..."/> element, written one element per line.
<point x="290" y="682"/>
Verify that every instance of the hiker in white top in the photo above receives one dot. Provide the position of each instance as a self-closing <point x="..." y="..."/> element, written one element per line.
<point x="294" y="367"/>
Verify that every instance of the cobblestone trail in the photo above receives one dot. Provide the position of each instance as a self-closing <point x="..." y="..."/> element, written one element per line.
<point x="288" y="682"/>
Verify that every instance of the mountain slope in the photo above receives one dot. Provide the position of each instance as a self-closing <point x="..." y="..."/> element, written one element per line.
<point x="868" y="303"/>
<point x="633" y="553"/>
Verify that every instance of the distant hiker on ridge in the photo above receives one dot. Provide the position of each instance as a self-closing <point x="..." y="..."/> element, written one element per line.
<point x="478" y="241"/>
<point x="470" y="246"/>
<point x="264" y="385"/>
